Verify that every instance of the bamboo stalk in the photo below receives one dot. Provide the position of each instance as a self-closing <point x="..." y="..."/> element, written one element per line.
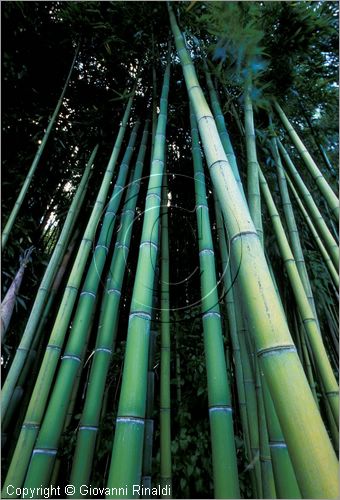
<point x="292" y="227"/>
<point x="42" y="461"/>
<point x="17" y="469"/>
<point x="224" y="461"/>
<point x="146" y="479"/>
<point x="165" y="396"/>
<point x="27" y="372"/>
<point x="313" y="210"/>
<point x="222" y="129"/>
<point x="254" y="197"/>
<point x="285" y="479"/>
<point x="125" y="469"/>
<point x="9" y="225"/>
<point x="317" y="175"/>
<point x="305" y="310"/>
<point x="236" y="349"/>
<point x="254" y="203"/>
<point x="328" y="262"/>
<point x="44" y="289"/>
<point x="308" y="443"/>
<point x="73" y="396"/>
<point x="251" y="402"/>
<point x="105" y="343"/>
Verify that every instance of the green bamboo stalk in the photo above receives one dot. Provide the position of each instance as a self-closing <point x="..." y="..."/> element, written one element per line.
<point x="317" y="175"/>
<point x="267" y="473"/>
<point x="108" y="324"/>
<point x="125" y="468"/>
<point x="24" y="189"/>
<point x="328" y="262"/>
<point x="332" y="325"/>
<point x="165" y="397"/>
<point x="222" y="129"/>
<point x="285" y="479"/>
<point x="254" y="202"/>
<point x="313" y="210"/>
<point x="19" y="390"/>
<point x="42" y="460"/>
<point x="178" y="369"/>
<point x="305" y="358"/>
<point x="146" y="479"/>
<point x="224" y="461"/>
<point x="305" y="310"/>
<point x="292" y="227"/>
<point x="251" y="402"/>
<point x="308" y="443"/>
<point x="17" y="469"/>
<point x="73" y="397"/>
<point x="44" y="289"/>
<point x="254" y="197"/>
<point x="231" y="315"/>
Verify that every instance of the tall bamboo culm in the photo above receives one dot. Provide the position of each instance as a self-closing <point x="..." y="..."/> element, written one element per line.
<point x="44" y="289"/>
<point x="25" y="444"/>
<point x="125" y="468"/>
<point x="222" y="129"/>
<point x="253" y="191"/>
<point x="314" y="212"/>
<point x="328" y="261"/>
<point x="254" y="203"/>
<point x="106" y="337"/>
<point x="313" y="457"/>
<point x="11" y="220"/>
<point x="291" y="225"/>
<point x="224" y="461"/>
<point x="165" y="396"/>
<point x="315" y="172"/>
<point x="42" y="460"/>
<point x="304" y="307"/>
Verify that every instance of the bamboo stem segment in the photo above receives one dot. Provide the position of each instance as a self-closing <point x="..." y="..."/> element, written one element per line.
<point x="165" y="396"/>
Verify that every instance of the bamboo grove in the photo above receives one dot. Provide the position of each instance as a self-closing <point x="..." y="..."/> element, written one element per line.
<point x="170" y="255"/>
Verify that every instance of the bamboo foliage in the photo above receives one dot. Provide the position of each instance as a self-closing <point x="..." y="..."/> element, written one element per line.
<point x="315" y="172"/>
<point x="26" y="440"/>
<point x="129" y="431"/>
<point x="11" y="220"/>
<point x="296" y="409"/>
